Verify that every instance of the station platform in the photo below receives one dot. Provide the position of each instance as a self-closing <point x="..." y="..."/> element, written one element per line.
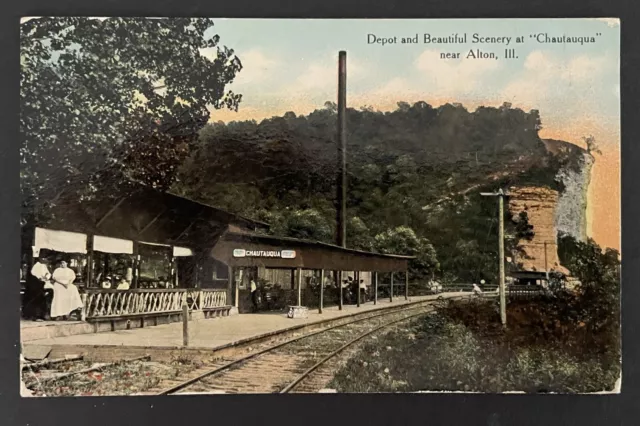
<point x="216" y="332"/>
<point x="34" y="330"/>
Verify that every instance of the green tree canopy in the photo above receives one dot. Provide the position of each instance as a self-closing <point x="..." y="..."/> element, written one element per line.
<point x="104" y="101"/>
<point x="598" y="272"/>
<point x="403" y="240"/>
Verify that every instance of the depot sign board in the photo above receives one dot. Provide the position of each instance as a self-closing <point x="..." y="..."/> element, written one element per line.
<point x="281" y="254"/>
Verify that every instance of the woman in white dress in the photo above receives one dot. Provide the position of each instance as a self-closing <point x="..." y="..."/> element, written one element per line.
<point x="66" y="298"/>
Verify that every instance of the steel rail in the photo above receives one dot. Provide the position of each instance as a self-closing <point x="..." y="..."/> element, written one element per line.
<point x="311" y="369"/>
<point x="174" y="389"/>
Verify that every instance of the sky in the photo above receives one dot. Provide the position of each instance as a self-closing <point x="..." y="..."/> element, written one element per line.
<point x="291" y="65"/>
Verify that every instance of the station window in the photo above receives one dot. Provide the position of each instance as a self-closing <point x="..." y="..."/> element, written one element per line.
<point x="113" y="263"/>
<point x="221" y="270"/>
<point x="113" y="271"/>
<point x="155" y="266"/>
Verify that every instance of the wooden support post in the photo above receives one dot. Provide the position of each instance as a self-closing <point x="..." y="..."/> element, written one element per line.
<point x="391" y="289"/>
<point x="236" y="300"/>
<point x="185" y="324"/>
<point x="357" y="276"/>
<point x="299" y="286"/>
<point x="83" y="312"/>
<point x="339" y="283"/>
<point x="321" y="290"/>
<point x="135" y="266"/>
<point x="229" y="285"/>
<point x="375" y="288"/>
<point x="406" y="284"/>
<point x="89" y="282"/>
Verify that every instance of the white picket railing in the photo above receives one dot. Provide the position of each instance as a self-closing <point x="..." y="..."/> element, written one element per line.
<point x="213" y="298"/>
<point x="116" y="303"/>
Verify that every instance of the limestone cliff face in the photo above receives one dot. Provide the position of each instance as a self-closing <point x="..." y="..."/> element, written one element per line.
<point x="551" y="212"/>
<point x="541" y="205"/>
<point x="571" y="213"/>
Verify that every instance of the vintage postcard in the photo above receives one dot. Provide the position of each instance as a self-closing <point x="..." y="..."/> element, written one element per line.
<point x="342" y="206"/>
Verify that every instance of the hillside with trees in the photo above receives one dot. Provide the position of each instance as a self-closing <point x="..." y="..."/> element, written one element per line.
<point x="414" y="177"/>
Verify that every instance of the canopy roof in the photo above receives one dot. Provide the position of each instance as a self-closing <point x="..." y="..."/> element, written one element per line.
<point x="251" y="249"/>
<point x="145" y="214"/>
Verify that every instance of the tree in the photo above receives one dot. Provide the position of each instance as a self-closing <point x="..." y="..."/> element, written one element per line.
<point x="523" y="229"/>
<point x="307" y="224"/>
<point x="598" y="272"/>
<point x="403" y="240"/>
<point x="359" y="235"/>
<point x="592" y="146"/>
<point x="105" y="101"/>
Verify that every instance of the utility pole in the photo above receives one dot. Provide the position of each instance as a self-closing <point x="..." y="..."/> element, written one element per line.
<point x="341" y="183"/>
<point x="341" y="210"/>
<point x="503" y="303"/>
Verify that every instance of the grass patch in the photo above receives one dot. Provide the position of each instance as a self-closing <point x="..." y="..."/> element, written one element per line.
<point x="463" y="348"/>
<point x="121" y="379"/>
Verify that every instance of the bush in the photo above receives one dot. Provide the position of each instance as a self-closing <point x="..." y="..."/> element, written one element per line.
<point x="440" y="354"/>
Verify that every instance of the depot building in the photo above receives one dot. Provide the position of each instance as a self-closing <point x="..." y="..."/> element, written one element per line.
<point x="148" y="252"/>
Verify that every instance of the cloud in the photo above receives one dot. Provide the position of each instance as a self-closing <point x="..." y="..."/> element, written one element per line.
<point x="322" y="73"/>
<point x="611" y="22"/>
<point x="550" y="79"/>
<point x="256" y="67"/>
<point x="452" y="76"/>
<point x="396" y="86"/>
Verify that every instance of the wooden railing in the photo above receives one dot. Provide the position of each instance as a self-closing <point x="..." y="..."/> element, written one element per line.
<point x="524" y="291"/>
<point x="118" y="303"/>
<point x="212" y="298"/>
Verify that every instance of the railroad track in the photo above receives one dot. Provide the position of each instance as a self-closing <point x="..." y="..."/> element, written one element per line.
<point x="301" y="364"/>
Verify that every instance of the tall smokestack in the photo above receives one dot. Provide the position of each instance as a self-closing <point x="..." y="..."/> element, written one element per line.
<point x="341" y="208"/>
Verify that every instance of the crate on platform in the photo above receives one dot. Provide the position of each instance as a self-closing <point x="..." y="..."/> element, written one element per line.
<point x="296" y="312"/>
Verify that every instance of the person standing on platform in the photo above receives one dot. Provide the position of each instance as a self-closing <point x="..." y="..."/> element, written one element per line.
<point x="476" y="290"/>
<point x="254" y="293"/>
<point x="35" y="303"/>
<point x="66" y="298"/>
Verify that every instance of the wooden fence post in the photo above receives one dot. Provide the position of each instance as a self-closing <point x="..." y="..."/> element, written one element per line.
<point x="185" y="324"/>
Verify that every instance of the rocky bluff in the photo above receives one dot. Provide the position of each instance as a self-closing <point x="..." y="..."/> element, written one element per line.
<point x="552" y="211"/>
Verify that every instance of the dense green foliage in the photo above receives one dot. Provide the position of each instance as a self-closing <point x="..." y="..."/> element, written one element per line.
<point x="439" y="353"/>
<point x="567" y="341"/>
<point x="417" y="168"/>
<point x="104" y="102"/>
<point x="598" y="292"/>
